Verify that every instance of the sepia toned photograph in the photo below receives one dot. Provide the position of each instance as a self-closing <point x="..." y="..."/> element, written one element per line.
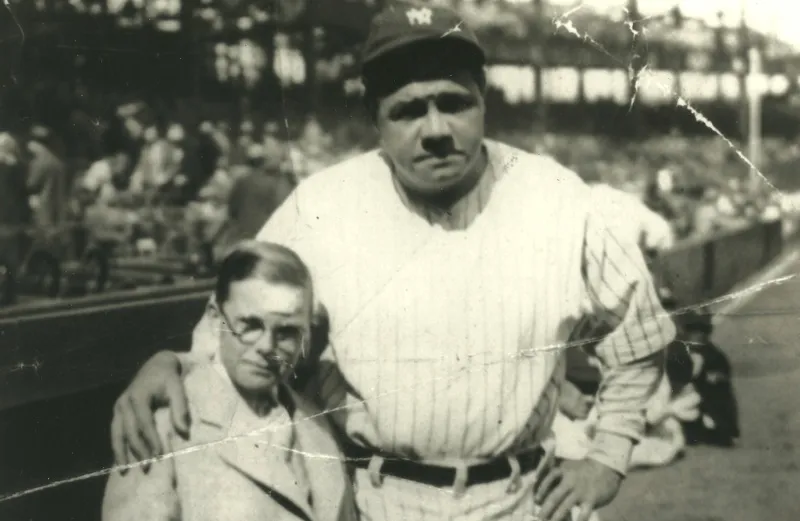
<point x="399" y="260"/>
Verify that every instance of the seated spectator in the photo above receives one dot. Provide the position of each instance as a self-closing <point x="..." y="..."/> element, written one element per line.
<point x="662" y="442"/>
<point x="693" y="361"/>
<point x="264" y="452"/>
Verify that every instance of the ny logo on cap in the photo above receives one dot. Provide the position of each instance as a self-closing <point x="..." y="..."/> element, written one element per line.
<point x="421" y="16"/>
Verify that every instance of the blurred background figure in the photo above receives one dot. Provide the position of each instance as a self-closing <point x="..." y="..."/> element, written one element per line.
<point x="696" y="365"/>
<point x="47" y="179"/>
<point x="106" y="178"/>
<point x="15" y="210"/>
<point x="242" y="144"/>
<point x="256" y="195"/>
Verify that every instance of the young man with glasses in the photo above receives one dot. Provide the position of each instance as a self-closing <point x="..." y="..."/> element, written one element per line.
<point x="256" y="449"/>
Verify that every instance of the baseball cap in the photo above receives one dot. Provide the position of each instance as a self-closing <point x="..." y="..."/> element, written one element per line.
<point x="403" y="24"/>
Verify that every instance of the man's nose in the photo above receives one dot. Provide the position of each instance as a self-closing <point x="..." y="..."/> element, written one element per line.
<point x="434" y="126"/>
<point x="265" y="344"/>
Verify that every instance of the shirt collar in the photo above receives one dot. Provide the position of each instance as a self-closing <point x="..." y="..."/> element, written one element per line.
<point x="462" y="213"/>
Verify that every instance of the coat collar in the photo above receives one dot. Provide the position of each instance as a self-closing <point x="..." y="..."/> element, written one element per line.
<point x="253" y="447"/>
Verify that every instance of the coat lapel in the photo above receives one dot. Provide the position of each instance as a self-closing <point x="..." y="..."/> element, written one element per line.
<point x="324" y="463"/>
<point x="257" y="449"/>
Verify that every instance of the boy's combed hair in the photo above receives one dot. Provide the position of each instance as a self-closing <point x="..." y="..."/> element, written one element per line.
<point x="265" y="260"/>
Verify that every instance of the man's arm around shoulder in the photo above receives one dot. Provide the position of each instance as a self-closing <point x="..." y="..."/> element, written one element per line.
<point x="153" y="496"/>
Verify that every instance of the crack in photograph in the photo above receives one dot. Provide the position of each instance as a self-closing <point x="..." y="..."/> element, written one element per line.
<point x="399" y="260"/>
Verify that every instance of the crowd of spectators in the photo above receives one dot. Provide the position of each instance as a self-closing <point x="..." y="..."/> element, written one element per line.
<point x="152" y="184"/>
<point x="700" y="184"/>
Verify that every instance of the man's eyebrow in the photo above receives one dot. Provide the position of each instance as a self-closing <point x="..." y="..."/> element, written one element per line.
<point x="287" y="315"/>
<point x="248" y="318"/>
<point x="434" y="95"/>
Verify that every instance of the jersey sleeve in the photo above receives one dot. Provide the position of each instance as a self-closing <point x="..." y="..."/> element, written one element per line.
<point x="622" y="295"/>
<point x="625" y="304"/>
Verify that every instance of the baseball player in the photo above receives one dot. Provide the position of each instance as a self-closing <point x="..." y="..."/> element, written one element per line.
<point x="453" y="269"/>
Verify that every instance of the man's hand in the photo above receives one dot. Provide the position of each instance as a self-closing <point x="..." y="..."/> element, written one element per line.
<point x="585" y="484"/>
<point x="133" y="431"/>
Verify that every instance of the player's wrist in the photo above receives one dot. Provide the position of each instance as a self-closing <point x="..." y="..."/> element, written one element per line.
<point x="612" y="451"/>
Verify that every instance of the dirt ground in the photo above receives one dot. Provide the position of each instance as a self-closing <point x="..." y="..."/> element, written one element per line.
<point x="759" y="479"/>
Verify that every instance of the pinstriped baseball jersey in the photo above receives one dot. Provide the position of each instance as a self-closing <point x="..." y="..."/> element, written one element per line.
<point x="446" y="329"/>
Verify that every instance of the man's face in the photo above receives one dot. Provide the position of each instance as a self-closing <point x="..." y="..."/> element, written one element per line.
<point x="263" y="331"/>
<point x="432" y="131"/>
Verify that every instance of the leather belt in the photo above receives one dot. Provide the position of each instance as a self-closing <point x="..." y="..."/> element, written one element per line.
<point x="439" y="476"/>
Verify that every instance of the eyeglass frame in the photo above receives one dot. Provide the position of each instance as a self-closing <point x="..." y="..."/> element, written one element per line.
<point x="304" y="332"/>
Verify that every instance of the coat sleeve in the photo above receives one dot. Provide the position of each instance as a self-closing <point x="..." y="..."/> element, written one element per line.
<point x="137" y="496"/>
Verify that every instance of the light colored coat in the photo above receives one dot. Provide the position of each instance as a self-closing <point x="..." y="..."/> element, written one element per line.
<point x="224" y="472"/>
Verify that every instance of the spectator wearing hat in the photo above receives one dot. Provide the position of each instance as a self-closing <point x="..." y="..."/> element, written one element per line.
<point x="451" y="267"/>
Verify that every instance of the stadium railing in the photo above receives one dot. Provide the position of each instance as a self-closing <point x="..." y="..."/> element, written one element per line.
<point x="704" y="269"/>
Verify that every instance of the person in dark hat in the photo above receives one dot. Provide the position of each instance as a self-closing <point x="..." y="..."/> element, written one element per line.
<point x="452" y="269"/>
